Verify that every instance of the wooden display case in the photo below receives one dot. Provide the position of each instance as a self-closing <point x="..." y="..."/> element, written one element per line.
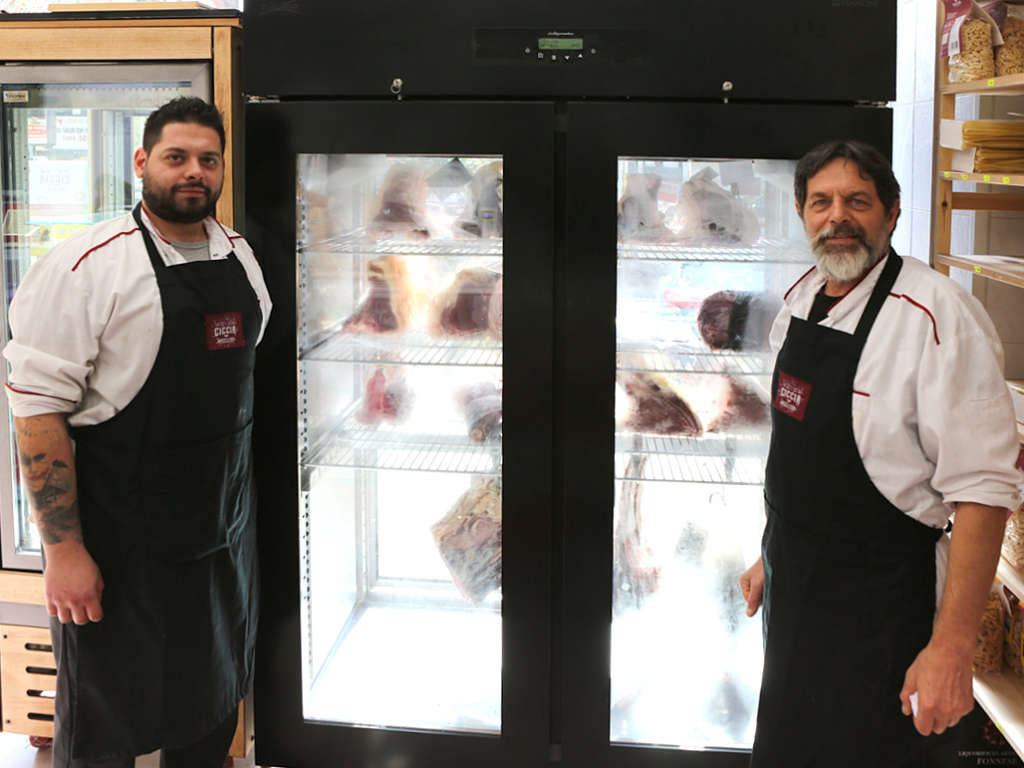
<point x="1001" y="695"/>
<point x="134" y="36"/>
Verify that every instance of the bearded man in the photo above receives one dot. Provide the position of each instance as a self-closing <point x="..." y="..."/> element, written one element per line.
<point x="890" y="414"/>
<point x="135" y="338"/>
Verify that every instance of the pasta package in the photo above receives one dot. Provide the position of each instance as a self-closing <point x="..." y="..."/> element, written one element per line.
<point x="993" y="134"/>
<point x="968" y="37"/>
<point x="1010" y="55"/>
<point x="1013" y="650"/>
<point x="988" y="652"/>
<point x="1013" y="540"/>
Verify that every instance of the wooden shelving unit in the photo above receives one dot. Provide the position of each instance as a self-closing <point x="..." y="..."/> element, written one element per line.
<point x="1001" y="695"/>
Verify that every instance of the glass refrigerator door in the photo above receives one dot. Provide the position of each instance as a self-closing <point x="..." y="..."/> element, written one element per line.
<point x="706" y="250"/>
<point x="69" y="135"/>
<point x="400" y="440"/>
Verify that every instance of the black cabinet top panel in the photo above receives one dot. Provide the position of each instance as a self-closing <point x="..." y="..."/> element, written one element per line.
<point x="800" y="50"/>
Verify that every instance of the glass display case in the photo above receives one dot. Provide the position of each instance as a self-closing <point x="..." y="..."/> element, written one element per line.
<point x="69" y="133"/>
<point x="399" y="355"/>
<point x="706" y="250"/>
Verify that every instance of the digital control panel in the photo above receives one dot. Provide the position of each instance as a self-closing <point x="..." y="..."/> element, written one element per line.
<point x="558" y="46"/>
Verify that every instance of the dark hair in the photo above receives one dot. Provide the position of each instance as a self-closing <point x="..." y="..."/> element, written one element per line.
<point x="183" y="109"/>
<point x="871" y="163"/>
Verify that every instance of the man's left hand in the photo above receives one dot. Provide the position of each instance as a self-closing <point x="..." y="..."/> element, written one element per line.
<point x="941" y="675"/>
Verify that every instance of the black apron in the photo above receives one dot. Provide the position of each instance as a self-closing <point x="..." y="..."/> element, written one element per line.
<point x="167" y="507"/>
<point x="849" y="594"/>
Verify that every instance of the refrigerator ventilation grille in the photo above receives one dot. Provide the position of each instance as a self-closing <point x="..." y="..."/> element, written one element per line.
<point x="720" y="460"/>
<point x="764" y="252"/>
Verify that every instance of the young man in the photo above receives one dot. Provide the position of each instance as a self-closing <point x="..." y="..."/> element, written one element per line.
<point x="131" y="386"/>
<point x="889" y="413"/>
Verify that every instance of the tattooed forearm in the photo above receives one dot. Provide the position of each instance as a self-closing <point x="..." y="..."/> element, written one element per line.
<point x="59" y="523"/>
<point x="48" y="475"/>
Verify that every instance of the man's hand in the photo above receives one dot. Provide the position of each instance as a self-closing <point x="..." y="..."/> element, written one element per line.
<point x="752" y="586"/>
<point x="73" y="584"/>
<point x="941" y="676"/>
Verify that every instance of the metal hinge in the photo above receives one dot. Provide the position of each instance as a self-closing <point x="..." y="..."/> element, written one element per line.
<point x="250" y="99"/>
<point x="875" y="104"/>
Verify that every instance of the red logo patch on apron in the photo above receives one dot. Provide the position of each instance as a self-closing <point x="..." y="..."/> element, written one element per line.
<point x="224" y="331"/>
<point x="791" y="396"/>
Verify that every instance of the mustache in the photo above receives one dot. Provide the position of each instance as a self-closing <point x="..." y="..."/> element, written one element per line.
<point x="841" y="230"/>
<point x="196" y="185"/>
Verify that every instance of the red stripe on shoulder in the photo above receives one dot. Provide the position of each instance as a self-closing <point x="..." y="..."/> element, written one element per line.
<point x="923" y="308"/>
<point x="862" y="394"/>
<point x="794" y="285"/>
<point x="97" y="247"/>
<point x="37" y="394"/>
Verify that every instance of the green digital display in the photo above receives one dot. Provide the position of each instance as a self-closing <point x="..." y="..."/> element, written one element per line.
<point x="560" y="43"/>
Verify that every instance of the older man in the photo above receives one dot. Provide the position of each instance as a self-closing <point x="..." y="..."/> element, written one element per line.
<point x="890" y="413"/>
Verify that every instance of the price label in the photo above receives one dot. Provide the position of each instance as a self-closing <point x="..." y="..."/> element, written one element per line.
<point x="1006" y="179"/>
<point x="978" y="270"/>
<point x="987" y="178"/>
<point x="963" y="176"/>
<point x="991" y="82"/>
<point x="947" y="174"/>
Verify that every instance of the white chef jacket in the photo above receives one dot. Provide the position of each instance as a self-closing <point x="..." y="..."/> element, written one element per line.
<point x="932" y="415"/>
<point x="86" y="321"/>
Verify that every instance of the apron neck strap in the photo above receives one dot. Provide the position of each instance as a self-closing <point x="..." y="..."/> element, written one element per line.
<point x="886" y="280"/>
<point x="151" y="251"/>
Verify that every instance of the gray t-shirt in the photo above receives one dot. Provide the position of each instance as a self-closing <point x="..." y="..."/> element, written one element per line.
<point x="198" y="251"/>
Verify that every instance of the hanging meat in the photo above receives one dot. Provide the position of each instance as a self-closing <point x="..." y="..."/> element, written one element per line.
<point x="738" y="320"/>
<point x="386" y="397"/>
<point x="483" y="215"/>
<point x="401" y="209"/>
<point x="463" y="308"/>
<point x="636" y="573"/>
<point x="469" y="539"/>
<point x="656" y="405"/>
<point x="708" y="214"/>
<point x="481" y="406"/>
<point x="387" y="305"/>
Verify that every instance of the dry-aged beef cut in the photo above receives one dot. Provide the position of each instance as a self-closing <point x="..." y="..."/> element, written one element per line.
<point x="386" y="398"/>
<point x="657" y="406"/>
<point x="401" y="210"/>
<point x="636" y="573"/>
<point x="463" y="308"/>
<point x="494" y="310"/>
<point x="387" y="305"/>
<point x="469" y="539"/>
<point x="639" y="218"/>
<point x="481" y="405"/>
<point x="739" y="406"/>
<point x="483" y="215"/>
<point x="737" y="320"/>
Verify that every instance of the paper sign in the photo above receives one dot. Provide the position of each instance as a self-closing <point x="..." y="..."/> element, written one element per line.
<point x="72" y="132"/>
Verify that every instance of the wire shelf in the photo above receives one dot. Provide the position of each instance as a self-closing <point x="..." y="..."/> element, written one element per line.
<point x="684" y="359"/>
<point x="763" y="252"/>
<point x="358" y="242"/>
<point x="385" y="447"/>
<point x="407" y="349"/>
<point x="728" y="460"/>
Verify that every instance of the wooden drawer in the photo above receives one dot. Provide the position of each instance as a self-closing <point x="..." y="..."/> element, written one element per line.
<point x="28" y="678"/>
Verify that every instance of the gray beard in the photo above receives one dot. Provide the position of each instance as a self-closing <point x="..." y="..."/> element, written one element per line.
<point x="847" y="265"/>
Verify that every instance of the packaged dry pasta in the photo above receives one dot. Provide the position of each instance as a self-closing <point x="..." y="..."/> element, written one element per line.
<point x="968" y="37"/>
<point x="993" y="134"/>
<point x="1013" y="541"/>
<point x="1013" y="650"/>
<point x="1010" y="55"/>
<point x="988" y="652"/>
